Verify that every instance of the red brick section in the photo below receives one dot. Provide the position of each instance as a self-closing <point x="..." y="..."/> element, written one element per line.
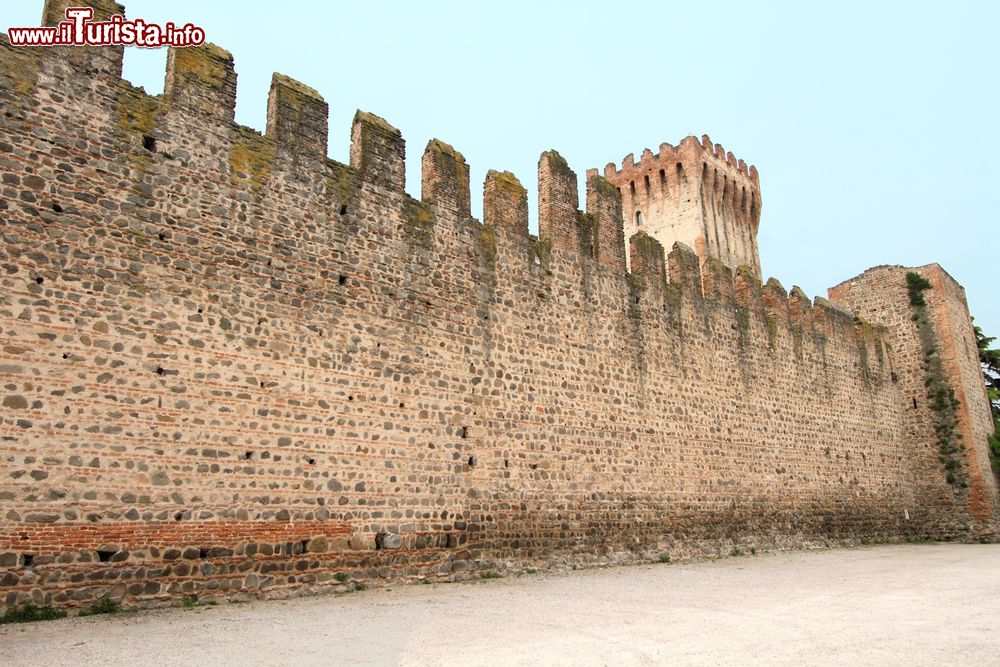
<point x="960" y="358"/>
<point x="695" y="193"/>
<point x="56" y="538"/>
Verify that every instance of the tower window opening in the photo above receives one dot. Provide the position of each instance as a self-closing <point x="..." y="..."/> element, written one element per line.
<point x="646" y="179"/>
<point x="631" y="187"/>
<point x="638" y="218"/>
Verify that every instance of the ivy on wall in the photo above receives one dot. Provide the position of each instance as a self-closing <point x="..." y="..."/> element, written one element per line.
<point x="940" y="395"/>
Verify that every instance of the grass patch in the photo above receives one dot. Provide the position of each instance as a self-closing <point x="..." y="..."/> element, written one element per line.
<point x="30" y="613"/>
<point x="102" y="606"/>
<point x="192" y="601"/>
<point x="341" y="577"/>
<point x="360" y="586"/>
<point x="490" y="574"/>
<point x="664" y="558"/>
<point x="735" y="552"/>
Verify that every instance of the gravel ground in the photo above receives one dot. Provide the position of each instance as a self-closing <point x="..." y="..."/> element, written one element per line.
<point x="908" y="604"/>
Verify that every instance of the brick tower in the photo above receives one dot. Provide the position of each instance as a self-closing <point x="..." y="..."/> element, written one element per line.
<point x="694" y="193"/>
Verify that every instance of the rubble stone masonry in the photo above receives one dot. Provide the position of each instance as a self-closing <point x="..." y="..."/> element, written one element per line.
<point x="231" y="366"/>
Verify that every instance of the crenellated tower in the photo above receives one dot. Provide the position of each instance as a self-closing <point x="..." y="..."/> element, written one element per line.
<point x="696" y="194"/>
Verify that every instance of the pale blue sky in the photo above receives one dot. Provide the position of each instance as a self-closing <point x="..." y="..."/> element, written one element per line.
<point x="873" y="124"/>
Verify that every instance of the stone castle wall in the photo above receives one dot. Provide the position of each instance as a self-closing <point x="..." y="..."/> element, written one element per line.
<point x="233" y="367"/>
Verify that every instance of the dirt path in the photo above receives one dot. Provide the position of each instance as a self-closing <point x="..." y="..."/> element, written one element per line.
<point x="914" y="604"/>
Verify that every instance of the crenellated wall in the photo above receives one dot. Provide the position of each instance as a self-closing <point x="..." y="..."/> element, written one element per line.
<point x="696" y="194"/>
<point x="234" y="367"/>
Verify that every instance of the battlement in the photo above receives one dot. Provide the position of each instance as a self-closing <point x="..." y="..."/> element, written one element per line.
<point x="690" y="151"/>
<point x="200" y="83"/>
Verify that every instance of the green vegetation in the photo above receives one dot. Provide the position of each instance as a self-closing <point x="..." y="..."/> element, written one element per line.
<point x="192" y="601"/>
<point x="30" y="612"/>
<point x="341" y="577"/>
<point x="490" y="574"/>
<point x="102" y="606"/>
<point x="989" y="359"/>
<point x="915" y="285"/>
<point x="664" y="558"/>
<point x="941" y="396"/>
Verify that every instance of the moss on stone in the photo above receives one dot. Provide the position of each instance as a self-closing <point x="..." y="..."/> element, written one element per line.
<point x="674" y="296"/>
<point x="866" y="371"/>
<point x="438" y="146"/>
<point x="18" y="68"/>
<point x="636" y="283"/>
<point x="296" y="87"/>
<point x="376" y="122"/>
<point x="556" y="161"/>
<point x="602" y="186"/>
<point x="587" y="231"/>
<point x="636" y="287"/>
<point x="543" y="251"/>
<point x="507" y="183"/>
<point x="797" y="342"/>
<point x="418" y="221"/>
<point x="485" y="238"/>
<point x="772" y="331"/>
<point x="136" y="112"/>
<point x="647" y="248"/>
<point x="208" y="63"/>
<point x="251" y="156"/>
<point x="343" y="185"/>
<point x="742" y="316"/>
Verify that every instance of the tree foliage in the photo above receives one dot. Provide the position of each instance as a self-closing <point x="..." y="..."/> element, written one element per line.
<point x="989" y="359"/>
